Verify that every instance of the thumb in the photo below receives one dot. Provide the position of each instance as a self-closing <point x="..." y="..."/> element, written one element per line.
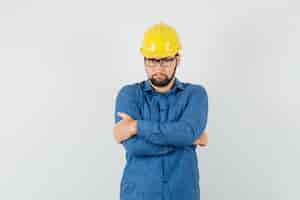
<point x="124" y="116"/>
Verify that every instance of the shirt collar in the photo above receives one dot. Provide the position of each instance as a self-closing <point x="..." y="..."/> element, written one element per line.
<point x="177" y="85"/>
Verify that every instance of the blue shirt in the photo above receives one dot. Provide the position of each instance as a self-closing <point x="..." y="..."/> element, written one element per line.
<point x="161" y="159"/>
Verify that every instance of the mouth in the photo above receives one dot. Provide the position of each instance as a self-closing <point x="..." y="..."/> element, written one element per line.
<point x="159" y="75"/>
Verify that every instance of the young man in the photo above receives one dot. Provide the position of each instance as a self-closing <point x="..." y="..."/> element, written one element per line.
<point x="160" y="121"/>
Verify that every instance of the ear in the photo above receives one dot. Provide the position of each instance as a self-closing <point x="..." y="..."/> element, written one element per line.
<point x="178" y="58"/>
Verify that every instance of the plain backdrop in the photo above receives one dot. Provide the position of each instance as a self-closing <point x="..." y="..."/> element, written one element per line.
<point x="62" y="63"/>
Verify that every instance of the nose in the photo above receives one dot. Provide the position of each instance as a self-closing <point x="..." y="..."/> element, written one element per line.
<point x="158" y="71"/>
<point x="158" y="67"/>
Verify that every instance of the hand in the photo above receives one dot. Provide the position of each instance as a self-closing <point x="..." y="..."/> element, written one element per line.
<point x="125" y="128"/>
<point x="202" y="140"/>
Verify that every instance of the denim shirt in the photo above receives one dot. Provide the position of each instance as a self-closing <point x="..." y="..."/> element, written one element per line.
<point x="161" y="159"/>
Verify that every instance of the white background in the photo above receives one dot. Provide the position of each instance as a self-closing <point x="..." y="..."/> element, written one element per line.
<point x="62" y="63"/>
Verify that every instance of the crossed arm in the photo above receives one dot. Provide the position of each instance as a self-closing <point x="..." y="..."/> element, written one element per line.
<point x="127" y="128"/>
<point x="149" y="138"/>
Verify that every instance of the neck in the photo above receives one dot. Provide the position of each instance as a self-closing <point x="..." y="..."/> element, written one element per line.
<point x="165" y="88"/>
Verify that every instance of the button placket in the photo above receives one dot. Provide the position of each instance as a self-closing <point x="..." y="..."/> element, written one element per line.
<point x="163" y="108"/>
<point x="163" y="111"/>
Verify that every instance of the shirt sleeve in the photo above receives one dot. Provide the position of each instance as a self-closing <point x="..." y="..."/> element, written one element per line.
<point x="186" y="130"/>
<point x="126" y="102"/>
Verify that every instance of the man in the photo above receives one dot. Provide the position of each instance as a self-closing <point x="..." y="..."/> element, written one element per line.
<point x="160" y="122"/>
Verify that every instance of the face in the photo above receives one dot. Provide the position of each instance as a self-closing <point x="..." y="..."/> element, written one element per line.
<point x="161" y="71"/>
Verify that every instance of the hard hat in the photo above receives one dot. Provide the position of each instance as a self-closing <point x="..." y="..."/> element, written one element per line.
<point x="160" y="40"/>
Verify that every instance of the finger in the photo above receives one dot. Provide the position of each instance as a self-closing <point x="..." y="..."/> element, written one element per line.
<point x="196" y="141"/>
<point x="124" y="115"/>
<point x="204" y="133"/>
<point x="117" y="138"/>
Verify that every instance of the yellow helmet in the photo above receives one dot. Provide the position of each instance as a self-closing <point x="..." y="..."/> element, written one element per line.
<point x="160" y="40"/>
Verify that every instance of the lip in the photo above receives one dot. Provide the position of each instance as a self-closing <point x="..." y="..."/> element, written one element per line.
<point x="159" y="75"/>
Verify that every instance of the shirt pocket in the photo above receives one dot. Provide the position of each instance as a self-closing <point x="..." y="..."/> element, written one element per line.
<point x="150" y="111"/>
<point x="176" y="110"/>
